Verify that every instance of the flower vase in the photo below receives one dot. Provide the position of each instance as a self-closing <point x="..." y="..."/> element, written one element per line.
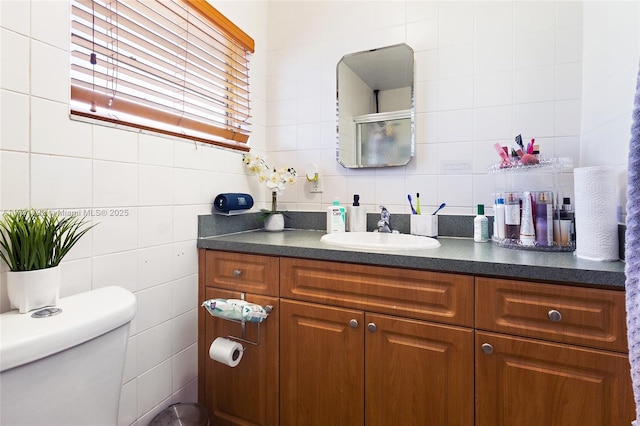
<point x="29" y="290"/>
<point x="274" y="222"/>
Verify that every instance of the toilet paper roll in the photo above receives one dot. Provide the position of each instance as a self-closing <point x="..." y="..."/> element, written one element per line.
<point x="596" y="213"/>
<point x="226" y="351"/>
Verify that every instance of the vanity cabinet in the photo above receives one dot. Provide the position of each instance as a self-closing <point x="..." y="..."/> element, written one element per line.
<point x="247" y="394"/>
<point x="352" y="352"/>
<point x="550" y="355"/>
<point x="352" y="344"/>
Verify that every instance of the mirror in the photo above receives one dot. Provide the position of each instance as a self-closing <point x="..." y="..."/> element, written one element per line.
<point x="375" y="108"/>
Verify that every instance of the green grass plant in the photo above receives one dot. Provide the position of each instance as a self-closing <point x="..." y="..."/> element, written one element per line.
<point x="37" y="239"/>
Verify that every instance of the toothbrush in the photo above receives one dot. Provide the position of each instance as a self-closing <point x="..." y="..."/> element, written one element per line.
<point x="412" y="209"/>
<point x="442" y="206"/>
<point x="418" y="203"/>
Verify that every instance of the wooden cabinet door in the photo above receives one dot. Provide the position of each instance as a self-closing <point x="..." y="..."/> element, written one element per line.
<point x="248" y="393"/>
<point x="417" y="373"/>
<point x="321" y="365"/>
<point x="526" y="382"/>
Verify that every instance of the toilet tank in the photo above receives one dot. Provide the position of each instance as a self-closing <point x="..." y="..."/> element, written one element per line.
<point x="66" y="369"/>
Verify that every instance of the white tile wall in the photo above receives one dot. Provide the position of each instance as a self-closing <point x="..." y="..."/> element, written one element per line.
<point x="485" y="71"/>
<point x="114" y="145"/>
<point x="114" y="234"/>
<point x="14" y="122"/>
<point x="116" y="269"/>
<point x="154" y="346"/>
<point x="609" y="76"/>
<point x="51" y="85"/>
<point x="154" y="266"/>
<point x="185" y="331"/>
<point x="154" y="386"/>
<point x="14" y="192"/>
<point x="15" y="68"/>
<point x="155" y="226"/>
<point x="73" y="138"/>
<point x="185" y="366"/>
<point x="115" y="184"/>
<point x="15" y="16"/>
<point x="143" y="191"/>
<point x="60" y="182"/>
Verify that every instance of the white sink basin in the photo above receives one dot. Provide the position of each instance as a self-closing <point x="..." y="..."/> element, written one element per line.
<point x="380" y="240"/>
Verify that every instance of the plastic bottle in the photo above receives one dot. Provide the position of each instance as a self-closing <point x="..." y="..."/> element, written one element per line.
<point x="567" y="214"/>
<point x="544" y="220"/>
<point x="480" y="226"/>
<point x="357" y="216"/>
<point x="336" y="216"/>
<point x="512" y="217"/>
<point x="498" y="225"/>
<point x="527" y="227"/>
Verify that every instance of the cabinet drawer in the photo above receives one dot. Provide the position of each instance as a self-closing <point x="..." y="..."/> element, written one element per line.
<point x="248" y="273"/>
<point x="582" y="316"/>
<point x="441" y="297"/>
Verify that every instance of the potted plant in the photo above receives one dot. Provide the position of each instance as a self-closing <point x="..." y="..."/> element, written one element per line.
<point x="276" y="181"/>
<point x="32" y="244"/>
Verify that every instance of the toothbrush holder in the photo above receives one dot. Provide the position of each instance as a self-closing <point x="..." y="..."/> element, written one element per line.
<point x="425" y="225"/>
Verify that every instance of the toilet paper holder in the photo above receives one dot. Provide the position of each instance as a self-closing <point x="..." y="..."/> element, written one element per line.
<point x="243" y="324"/>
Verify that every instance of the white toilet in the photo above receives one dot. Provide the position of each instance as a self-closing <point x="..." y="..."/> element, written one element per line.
<point x="66" y="369"/>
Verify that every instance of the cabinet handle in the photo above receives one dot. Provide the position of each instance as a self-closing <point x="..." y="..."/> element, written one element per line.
<point x="487" y="348"/>
<point x="353" y="323"/>
<point x="237" y="273"/>
<point x="372" y="326"/>
<point x="554" y="315"/>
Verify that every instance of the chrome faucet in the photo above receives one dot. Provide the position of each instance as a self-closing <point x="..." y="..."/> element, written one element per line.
<point x="383" y="223"/>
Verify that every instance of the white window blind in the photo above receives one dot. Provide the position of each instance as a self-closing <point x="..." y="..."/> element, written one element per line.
<point x="174" y="66"/>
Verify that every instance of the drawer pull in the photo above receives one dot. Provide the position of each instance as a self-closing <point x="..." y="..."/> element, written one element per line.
<point x="372" y="326"/>
<point x="554" y="315"/>
<point x="353" y="323"/>
<point x="487" y="348"/>
<point x="237" y="273"/>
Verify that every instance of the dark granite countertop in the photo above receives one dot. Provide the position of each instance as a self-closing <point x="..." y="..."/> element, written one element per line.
<point x="459" y="255"/>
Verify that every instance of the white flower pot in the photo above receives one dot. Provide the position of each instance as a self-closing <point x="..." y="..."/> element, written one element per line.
<point x="274" y="222"/>
<point x="29" y="290"/>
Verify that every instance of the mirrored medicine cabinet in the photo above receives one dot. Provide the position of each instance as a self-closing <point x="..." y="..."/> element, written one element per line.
<point x="375" y="102"/>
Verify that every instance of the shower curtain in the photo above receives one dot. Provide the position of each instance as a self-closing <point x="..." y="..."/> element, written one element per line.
<point x="632" y="250"/>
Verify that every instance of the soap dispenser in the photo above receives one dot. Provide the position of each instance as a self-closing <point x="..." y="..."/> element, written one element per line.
<point x="357" y="216"/>
<point x="336" y="217"/>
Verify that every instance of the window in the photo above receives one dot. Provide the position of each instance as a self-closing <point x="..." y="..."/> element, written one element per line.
<point x="177" y="67"/>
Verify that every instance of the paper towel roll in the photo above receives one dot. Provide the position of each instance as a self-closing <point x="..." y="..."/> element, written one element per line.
<point x="596" y="213"/>
<point x="226" y="351"/>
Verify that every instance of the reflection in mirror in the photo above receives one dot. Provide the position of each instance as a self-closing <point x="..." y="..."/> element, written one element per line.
<point x="375" y="107"/>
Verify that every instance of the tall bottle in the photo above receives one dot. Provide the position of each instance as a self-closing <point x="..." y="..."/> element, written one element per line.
<point x="498" y="218"/>
<point x="527" y="227"/>
<point x="512" y="216"/>
<point x="336" y="217"/>
<point x="480" y="226"/>
<point x="544" y="220"/>
<point x="567" y="214"/>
